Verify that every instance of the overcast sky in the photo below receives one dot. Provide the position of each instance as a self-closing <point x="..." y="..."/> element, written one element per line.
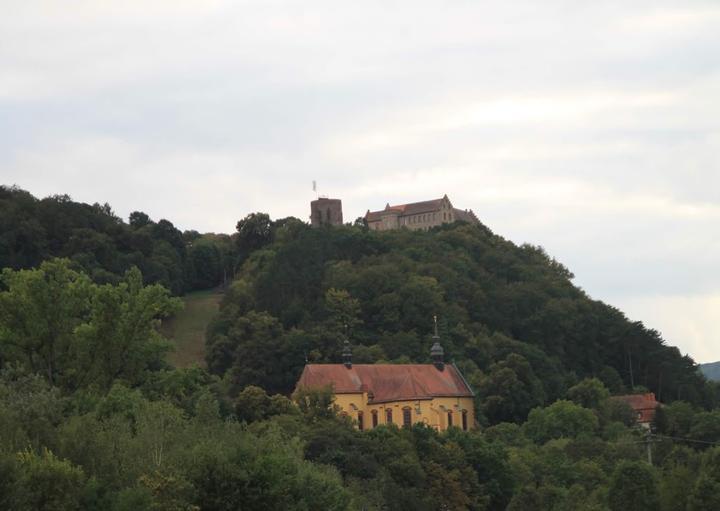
<point x="590" y="128"/>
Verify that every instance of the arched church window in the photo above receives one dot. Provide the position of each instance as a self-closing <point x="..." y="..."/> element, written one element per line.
<point x="407" y="417"/>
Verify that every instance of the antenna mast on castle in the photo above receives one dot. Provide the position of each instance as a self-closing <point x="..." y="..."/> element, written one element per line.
<point x="315" y="189"/>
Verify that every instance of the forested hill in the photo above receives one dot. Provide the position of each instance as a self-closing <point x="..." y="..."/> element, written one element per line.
<point x="104" y="246"/>
<point x="93" y="417"/>
<point x="509" y="316"/>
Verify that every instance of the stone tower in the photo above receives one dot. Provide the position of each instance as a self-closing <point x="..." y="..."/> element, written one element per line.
<point x="324" y="211"/>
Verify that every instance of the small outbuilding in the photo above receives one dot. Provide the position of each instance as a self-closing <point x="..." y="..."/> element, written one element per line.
<point x="643" y="405"/>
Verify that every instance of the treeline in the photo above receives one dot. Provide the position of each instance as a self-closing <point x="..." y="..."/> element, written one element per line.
<point x="105" y="247"/>
<point x="509" y="315"/>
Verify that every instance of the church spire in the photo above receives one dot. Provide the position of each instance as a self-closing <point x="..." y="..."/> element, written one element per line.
<point x="347" y="355"/>
<point x="437" y="352"/>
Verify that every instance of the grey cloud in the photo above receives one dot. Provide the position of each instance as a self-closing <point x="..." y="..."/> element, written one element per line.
<point x="591" y="128"/>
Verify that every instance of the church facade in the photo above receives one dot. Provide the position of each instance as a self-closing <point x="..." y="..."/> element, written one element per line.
<point x="403" y="394"/>
<point x="418" y="215"/>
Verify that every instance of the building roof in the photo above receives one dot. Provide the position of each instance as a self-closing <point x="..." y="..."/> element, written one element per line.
<point x="639" y="402"/>
<point x="413" y="208"/>
<point x="466" y="216"/>
<point x="388" y="382"/>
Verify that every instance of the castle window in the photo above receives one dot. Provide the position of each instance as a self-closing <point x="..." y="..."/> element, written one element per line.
<point x="327" y="215"/>
<point x="464" y="420"/>
<point x="450" y="419"/>
<point x="361" y="424"/>
<point x="374" y="414"/>
<point x="388" y="415"/>
<point x="407" y="417"/>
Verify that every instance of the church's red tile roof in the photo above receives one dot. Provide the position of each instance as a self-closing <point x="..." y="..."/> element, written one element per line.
<point x="388" y="382"/>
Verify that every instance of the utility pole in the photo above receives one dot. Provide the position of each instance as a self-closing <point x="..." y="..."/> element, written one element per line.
<point x="649" y="440"/>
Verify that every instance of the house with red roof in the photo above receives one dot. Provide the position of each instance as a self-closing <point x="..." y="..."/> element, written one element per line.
<point x="643" y="405"/>
<point x="403" y="394"/>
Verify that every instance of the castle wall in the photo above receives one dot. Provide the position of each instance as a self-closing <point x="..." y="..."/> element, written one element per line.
<point x="419" y="221"/>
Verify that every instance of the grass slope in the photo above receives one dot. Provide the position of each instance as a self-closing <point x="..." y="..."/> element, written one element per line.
<point x="187" y="328"/>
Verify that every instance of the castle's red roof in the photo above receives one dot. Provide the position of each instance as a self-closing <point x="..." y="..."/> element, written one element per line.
<point x="388" y="382"/>
<point x="414" y="208"/>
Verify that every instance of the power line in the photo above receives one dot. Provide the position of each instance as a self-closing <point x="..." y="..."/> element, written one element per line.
<point x="688" y="440"/>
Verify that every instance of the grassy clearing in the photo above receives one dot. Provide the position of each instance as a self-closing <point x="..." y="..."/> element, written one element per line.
<point x="187" y="328"/>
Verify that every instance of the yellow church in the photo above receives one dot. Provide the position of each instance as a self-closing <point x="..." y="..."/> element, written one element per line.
<point x="403" y="394"/>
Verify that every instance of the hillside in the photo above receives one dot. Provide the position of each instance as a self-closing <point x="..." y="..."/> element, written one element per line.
<point x="505" y="311"/>
<point x="711" y="370"/>
<point x="94" y="417"/>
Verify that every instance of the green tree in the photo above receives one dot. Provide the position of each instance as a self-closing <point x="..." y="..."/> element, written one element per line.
<point x="139" y="219"/>
<point x="47" y="483"/>
<point x="343" y="310"/>
<point x="316" y="404"/>
<point x="120" y="340"/>
<point x="705" y="493"/>
<point x="633" y="485"/>
<point x="706" y="426"/>
<point x="589" y="393"/>
<point x="510" y="390"/>
<point x="30" y="410"/>
<point x="75" y="333"/>
<point x="253" y="232"/>
<point x="560" y="419"/>
<point x="39" y="312"/>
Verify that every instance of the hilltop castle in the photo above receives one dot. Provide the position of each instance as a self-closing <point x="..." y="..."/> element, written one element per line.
<point x="418" y="215"/>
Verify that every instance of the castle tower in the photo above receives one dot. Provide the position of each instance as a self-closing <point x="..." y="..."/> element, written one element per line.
<point x="324" y="211"/>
